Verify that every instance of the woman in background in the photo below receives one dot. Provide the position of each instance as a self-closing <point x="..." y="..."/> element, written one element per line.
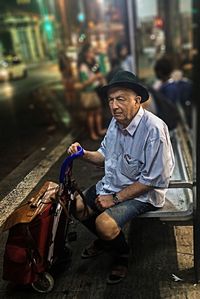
<point x="91" y="79"/>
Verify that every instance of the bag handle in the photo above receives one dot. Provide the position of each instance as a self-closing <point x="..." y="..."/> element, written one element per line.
<point x="36" y="200"/>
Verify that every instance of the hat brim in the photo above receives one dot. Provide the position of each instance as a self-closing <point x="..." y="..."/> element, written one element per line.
<point x="137" y="88"/>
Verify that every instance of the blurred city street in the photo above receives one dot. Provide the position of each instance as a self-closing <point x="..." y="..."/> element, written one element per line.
<point x="31" y="110"/>
<point x="55" y="55"/>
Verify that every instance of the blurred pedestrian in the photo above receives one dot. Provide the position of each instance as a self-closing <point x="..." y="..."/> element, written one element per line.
<point x="184" y="87"/>
<point x="91" y="79"/>
<point x="165" y="84"/>
<point x="126" y="61"/>
<point x="68" y="78"/>
<point x="172" y="86"/>
<point x="63" y="64"/>
<point x="163" y="95"/>
<point x="115" y="67"/>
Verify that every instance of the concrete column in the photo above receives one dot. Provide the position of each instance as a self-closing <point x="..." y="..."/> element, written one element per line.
<point x="30" y="39"/>
<point x="38" y="38"/>
<point x="170" y="13"/>
<point x="66" y="38"/>
<point x="15" y="41"/>
<point x="131" y="12"/>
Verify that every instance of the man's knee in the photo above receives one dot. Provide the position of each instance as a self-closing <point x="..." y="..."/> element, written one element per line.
<point x="106" y="227"/>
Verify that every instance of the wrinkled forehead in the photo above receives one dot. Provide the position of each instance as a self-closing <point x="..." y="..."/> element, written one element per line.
<point x="120" y="91"/>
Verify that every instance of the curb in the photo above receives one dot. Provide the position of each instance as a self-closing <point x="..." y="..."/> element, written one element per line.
<point x="23" y="188"/>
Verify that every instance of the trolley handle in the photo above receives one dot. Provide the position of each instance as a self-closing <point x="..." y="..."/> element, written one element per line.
<point x="80" y="153"/>
<point x="67" y="164"/>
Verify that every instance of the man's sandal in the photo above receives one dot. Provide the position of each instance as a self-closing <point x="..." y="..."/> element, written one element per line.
<point x="93" y="249"/>
<point x="118" y="273"/>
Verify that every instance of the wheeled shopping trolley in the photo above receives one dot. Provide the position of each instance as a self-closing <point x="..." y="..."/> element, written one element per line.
<point x="38" y="238"/>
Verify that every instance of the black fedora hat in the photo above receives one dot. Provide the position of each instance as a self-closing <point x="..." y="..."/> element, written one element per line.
<point x="128" y="80"/>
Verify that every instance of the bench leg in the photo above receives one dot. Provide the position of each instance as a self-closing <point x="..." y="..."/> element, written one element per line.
<point x="196" y="244"/>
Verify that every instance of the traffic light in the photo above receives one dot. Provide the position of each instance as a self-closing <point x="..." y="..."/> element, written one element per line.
<point x="158" y="22"/>
<point x="48" y="28"/>
<point x="81" y="17"/>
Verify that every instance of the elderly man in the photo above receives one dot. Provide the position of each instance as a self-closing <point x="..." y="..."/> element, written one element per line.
<point x="137" y="155"/>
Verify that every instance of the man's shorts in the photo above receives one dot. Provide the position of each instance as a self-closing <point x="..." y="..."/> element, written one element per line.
<point x="122" y="212"/>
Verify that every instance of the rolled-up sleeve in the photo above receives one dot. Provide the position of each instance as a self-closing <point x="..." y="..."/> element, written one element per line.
<point x="102" y="148"/>
<point x="158" y="164"/>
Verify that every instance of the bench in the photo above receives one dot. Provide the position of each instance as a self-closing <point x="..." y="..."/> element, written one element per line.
<point x="179" y="197"/>
<point x="181" y="205"/>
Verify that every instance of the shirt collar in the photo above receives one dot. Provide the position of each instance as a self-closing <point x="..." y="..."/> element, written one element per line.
<point x="133" y="124"/>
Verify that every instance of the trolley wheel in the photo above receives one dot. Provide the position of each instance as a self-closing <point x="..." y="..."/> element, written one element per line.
<point x="44" y="284"/>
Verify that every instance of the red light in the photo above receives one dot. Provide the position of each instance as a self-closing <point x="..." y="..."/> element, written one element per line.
<point x="158" y="22"/>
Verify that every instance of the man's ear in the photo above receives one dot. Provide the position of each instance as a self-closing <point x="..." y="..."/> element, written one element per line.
<point x="138" y="99"/>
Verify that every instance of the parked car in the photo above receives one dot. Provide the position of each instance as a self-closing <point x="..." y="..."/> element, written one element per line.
<point x="12" y="68"/>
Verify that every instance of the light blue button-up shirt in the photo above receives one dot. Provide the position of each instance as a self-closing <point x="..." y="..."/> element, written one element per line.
<point x="142" y="152"/>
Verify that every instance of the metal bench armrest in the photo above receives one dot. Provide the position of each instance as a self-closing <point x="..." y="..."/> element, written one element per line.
<point x="181" y="184"/>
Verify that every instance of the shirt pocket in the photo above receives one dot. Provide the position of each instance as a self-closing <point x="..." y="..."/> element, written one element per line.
<point x="111" y="164"/>
<point x="130" y="167"/>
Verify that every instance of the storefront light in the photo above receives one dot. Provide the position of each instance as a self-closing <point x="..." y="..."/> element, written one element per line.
<point x="101" y="2"/>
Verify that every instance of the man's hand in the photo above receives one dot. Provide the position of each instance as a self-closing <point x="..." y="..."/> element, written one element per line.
<point x="93" y="157"/>
<point x="73" y="148"/>
<point x="104" y="201"/>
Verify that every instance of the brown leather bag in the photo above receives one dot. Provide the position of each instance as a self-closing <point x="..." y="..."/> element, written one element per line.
<point x="33" y="206"/>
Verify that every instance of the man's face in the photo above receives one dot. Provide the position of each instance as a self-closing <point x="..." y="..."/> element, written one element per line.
<point x="124" y="104"/>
